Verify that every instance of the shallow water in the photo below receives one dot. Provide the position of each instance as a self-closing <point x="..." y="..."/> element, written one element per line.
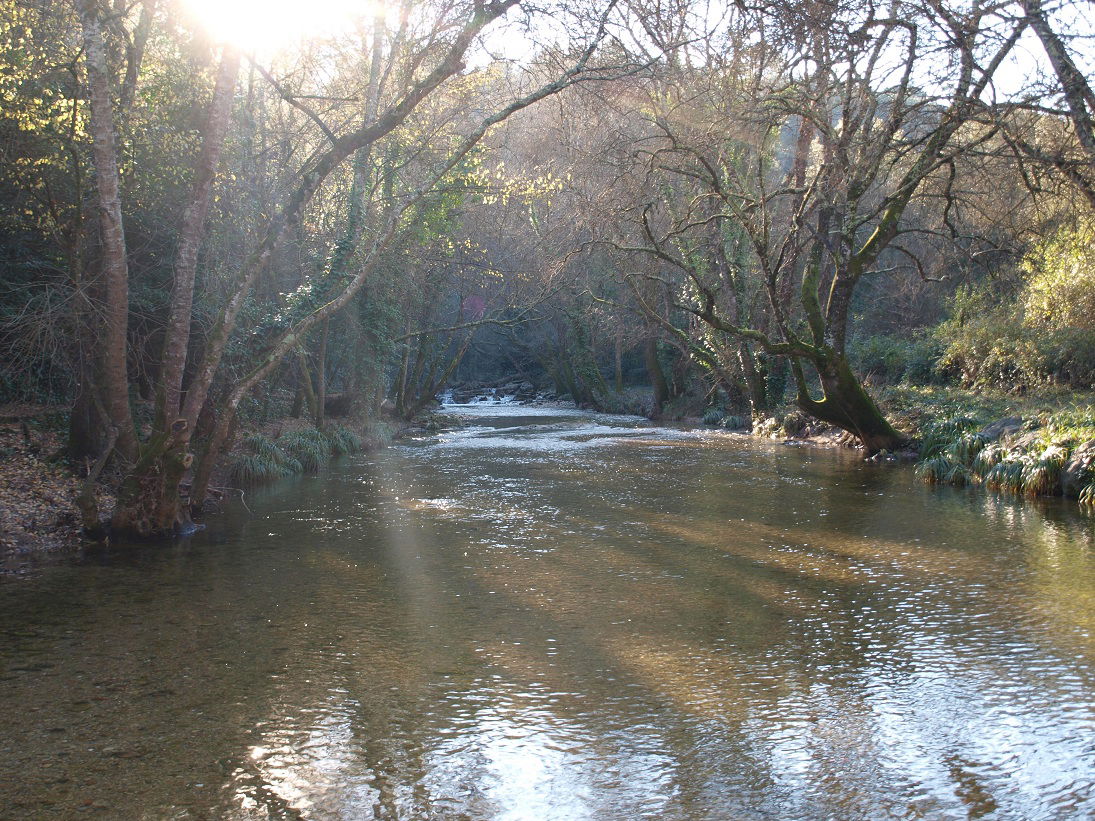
<point x="553" y="615"/>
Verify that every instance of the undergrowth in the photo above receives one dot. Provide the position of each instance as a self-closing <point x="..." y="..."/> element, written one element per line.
<point x="953" y="452"/>
<point x="262" y="459"/>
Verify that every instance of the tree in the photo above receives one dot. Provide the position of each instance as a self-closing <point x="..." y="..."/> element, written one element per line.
<point x="419" y="65"/>
<point x="831" y="142"/>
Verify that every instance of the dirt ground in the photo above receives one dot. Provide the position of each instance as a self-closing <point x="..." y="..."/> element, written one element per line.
<point x="37" y="487"/>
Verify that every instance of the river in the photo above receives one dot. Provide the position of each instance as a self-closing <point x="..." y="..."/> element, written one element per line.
<point x="553" y="615"/>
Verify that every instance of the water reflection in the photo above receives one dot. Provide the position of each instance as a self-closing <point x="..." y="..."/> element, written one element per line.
<point x="555" y="615"/>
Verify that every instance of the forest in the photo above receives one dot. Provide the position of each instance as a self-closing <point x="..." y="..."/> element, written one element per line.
<point x="547" y="410"/>
<point x="876" y="218"/>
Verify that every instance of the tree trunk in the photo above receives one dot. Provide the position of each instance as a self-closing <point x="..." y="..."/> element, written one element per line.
<point x="847" y="405"/>
<point x="149" y="505"/>
<point x="657" y="375"/>
<point x="754" y="382"/>
<point x="191" y="231"/>
<point x="619" y="360"/>
<point x="115" y="268"/>
<point x="306" y="383"/>
<point x="321" y="376"/>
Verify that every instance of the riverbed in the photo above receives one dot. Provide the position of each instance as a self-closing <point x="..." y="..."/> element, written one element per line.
<point x="550" y="614"/>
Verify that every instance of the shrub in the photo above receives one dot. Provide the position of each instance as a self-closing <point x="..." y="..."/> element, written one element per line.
<point x="1060" y="293"/>
<point x="881" y="357"/>
<point x="892" y="359"/>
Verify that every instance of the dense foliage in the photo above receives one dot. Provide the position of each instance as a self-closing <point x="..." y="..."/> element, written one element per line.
<point x="649" y="209"/>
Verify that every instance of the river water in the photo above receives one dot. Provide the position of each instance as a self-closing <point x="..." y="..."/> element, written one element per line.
<point x="553" y="615"/>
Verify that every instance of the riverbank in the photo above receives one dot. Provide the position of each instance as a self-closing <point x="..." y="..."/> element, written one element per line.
<point x="38" y="489"/>
<point x="1035" y="444"/>
<point x="39" y="486"/>
<point x="1031" y="444"/>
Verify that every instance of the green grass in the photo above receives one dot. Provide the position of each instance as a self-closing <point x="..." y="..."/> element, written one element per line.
<point x="308" y="446"/>
<point x="262" y="459"/>
<point x="1062" y="412"/>
<point x="945" y="420"/>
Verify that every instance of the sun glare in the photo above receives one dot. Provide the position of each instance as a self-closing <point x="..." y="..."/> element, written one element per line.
<point x="271" y="24"/>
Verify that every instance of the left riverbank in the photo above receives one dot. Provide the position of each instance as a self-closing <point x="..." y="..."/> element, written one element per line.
<point x="38" y="488"/>
<point x="39" y="485"/>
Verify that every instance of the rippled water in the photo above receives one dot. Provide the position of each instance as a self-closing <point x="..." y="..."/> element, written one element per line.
<point x="551" y="615"/>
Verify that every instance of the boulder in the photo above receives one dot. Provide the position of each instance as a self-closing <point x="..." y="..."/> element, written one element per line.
<point x="1023" y="441"/>
<point x="1001" y="427"/>
<point x="1078" y="469"/>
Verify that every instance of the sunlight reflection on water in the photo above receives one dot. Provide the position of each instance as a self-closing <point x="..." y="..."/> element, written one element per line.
<point x="556" y="615"/>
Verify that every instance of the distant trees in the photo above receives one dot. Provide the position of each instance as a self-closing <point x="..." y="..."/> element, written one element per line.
<point x="349" y="163"/>
<point x="784" y="162"/>
<point x="727" y="194"/>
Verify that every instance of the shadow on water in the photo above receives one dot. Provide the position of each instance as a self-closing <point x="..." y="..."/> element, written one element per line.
<point x="559" y="615"/>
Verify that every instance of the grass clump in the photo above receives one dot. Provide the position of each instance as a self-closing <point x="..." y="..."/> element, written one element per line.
<point x="986" y="459"/>
<point x="942" y="469"/>
<point x="712" y="416"/>
<point x="1087" y="496"/>
<point x="308" y="446"/>
<point x="1007" y="475"/>
<point x="342" y="440"/>
<point x="1042" y="476"/>
<point x="261" y="460"/>
<point x="938" y="436"/>
<point x="966" y="447"/>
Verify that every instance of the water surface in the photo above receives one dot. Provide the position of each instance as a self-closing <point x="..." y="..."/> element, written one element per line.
<point x="554" y="615"/>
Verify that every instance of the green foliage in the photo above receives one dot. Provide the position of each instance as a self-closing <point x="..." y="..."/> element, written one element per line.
<point x="940" y="435"/>
<point x="1087" y="496"/>
<point x="342" y="440"/>
<point x="986" y="459"/>
<point x="261" y="460"/>
<point x="732" y="422"/>
<point x="1061" y="290"/>
<point x="966" y="447"/>
<point x="1042" y="476"/>
<point x="892" y="359"/>
<point x="1007" y="475"/>
<point x="1033" y="341"/>
<point x="942" y="469"/>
